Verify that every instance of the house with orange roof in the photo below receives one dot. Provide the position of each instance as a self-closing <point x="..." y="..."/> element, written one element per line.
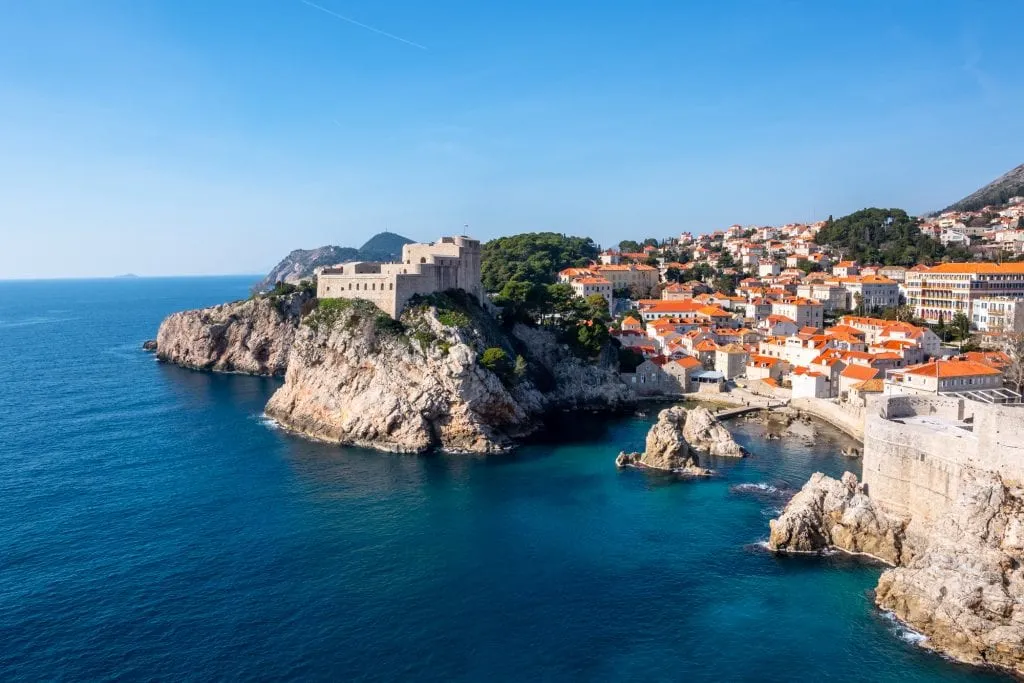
<point x="793" y="349"/>
<point x="845" y="269"/>
<point x="807" y="383"/>
<point x="996" y="359"/>
<point x="854" y="373"/>
<point x="870" y="292"/>
<point x="966" y="378"/>
<point x="653" y="309"/>
<point x="705" y="351"/>
<point x="777" y="326"/>
<point x="631" y="323"/>
<point x="761" y="367"/>
<point x="663" y="376"/>
<point x="731" y="360"/>
<point x="804" y="312"/>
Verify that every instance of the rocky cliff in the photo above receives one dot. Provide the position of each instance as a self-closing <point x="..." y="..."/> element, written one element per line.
<point x="965" y="589"/>
<point x="679" y="438"/>
<point x="253" y="336"/>
<point x="958" y="580"/>
<point x="827" y="513"/>
<point x="442" y="376"/>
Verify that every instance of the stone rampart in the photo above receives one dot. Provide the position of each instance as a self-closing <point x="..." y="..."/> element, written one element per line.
<point x="919" y="450"/>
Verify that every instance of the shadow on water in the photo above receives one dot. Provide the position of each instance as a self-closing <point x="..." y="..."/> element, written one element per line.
<point x="200" y="390"/>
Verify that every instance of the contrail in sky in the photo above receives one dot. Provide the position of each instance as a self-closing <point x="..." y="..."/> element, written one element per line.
<point x="362" y="25"/>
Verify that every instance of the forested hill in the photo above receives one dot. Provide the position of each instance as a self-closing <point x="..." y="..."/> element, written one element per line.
<point x="532" y="257"/>
<point x="997" y="192"/>
<point x="886" y="236"/>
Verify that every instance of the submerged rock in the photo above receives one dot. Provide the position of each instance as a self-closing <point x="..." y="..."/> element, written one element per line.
<point x="965" y="589"/>
<point x="830" y="513"/>
<point x="253" y="336"/>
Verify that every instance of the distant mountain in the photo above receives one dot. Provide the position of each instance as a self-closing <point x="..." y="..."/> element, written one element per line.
<point x="997" y="192"/>
<point x="384" y="246"/>
<point x="300" y="264"/>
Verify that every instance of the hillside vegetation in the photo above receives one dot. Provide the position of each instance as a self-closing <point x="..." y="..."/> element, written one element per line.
<point x="534" y="257"/>
<point x="886" y="236"/>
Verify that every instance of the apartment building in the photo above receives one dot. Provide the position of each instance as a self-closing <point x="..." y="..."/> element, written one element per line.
<point x="950" y="288"/>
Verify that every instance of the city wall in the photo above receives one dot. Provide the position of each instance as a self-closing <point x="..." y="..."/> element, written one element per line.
<point x="918" y="469"/>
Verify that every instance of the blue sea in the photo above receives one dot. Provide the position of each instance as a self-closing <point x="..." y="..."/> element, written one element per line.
<point x="153" y="525"/>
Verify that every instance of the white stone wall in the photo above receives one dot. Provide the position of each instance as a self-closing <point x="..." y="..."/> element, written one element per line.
<point x="917" y="469"/>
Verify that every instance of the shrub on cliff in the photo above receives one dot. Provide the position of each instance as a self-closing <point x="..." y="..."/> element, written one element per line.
<point x="498" y="362"/>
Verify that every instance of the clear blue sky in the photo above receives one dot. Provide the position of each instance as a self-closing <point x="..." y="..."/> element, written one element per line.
<point x="213" y="136"/>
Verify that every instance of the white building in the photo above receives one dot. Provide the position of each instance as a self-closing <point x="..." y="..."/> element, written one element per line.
<point x="997" y="314"/>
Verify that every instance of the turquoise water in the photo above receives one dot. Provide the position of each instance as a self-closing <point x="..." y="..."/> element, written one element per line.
<point x="152" y="525"/>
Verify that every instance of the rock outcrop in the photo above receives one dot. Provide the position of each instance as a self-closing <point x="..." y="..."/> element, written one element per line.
<point x="704" y="432"/>
<point x="437" y="378"/>
<point x="572" y="384"/>
<point x="958" y="580"/>
<point x="828" y="513"/>
<point x="965" y="589"/>
<point x="253" y="336"/>
<point x="679" y="438"/>
<point x="666" y="449"/>
<point x="149" y="345"/>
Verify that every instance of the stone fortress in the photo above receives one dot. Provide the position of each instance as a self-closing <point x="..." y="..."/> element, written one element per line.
<point x="449" y="263"/>
<point x="919" y="451"/>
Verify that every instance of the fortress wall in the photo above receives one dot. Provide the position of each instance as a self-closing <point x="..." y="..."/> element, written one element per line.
<point x="912" y="469"/>
<point x="1000" y="431"/>
<point x="917" y="470"/>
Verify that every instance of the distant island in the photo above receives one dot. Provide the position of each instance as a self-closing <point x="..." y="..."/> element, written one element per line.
<point x="125" y="275"/>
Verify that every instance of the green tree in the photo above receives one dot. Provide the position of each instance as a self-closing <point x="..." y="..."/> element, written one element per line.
<point x="650" y="242"/>
<point x="534" y="257"/>
<point x="672" y="274"/>
<point x="808" y="266"/>
<point x="498" y="362"/>
<point x="961" y="326"/>
<point x="726" y="260"/>
<point x="591" y="336"/>
<point x="630" y="246"/>
<point x="597" y="308"/>
<point x="725" y="284"/>
<point x="887" y="236"/>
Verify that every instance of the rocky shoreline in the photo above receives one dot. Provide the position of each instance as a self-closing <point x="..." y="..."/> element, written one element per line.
<point x="445" y="375"/>
<point x="959" y="581"/>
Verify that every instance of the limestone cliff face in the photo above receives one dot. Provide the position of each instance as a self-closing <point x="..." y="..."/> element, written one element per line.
<point x="357" y="377"/>
<point x="679" y="438"/>
<point x="827" y="513"/>
<point x="958" y="580"/>
<point x="252" y="336"/>
<point x="965" y="589"/>
<point x="575" y="385"/>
